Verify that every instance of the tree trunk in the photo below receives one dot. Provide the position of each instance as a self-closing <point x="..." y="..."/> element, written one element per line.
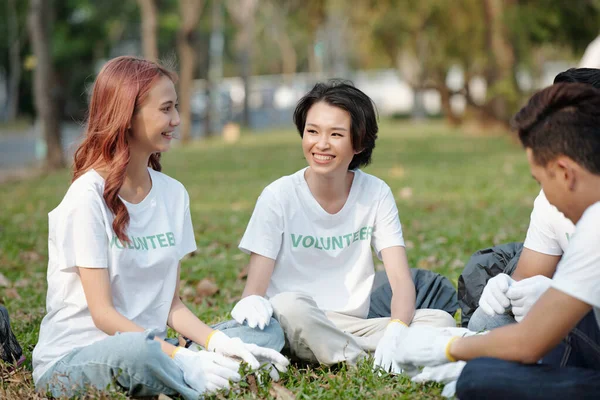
<point x="14" y="55"/>
<point x="45" y="102"/>
<point x="288" y="53"/>
<point x="190" y="16"/>
<point x="446" y="96"/>
<point x="277" y="15"/>
<point x="246" y="68"/>
<point x="244" y="15"/>
<point x="149" y="29"/>
<point x="501" y="70"/>
<point x="215" y="69"/>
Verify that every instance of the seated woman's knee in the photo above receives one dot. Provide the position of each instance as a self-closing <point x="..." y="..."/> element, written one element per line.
<point x="295" y="307"/>
<point x="137" y="347"/>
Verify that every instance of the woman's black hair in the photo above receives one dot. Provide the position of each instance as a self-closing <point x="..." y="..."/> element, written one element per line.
<point x="363" y="115"/>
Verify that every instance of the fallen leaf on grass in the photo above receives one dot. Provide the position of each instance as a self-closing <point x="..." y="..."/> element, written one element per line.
<point x="243" y="273"/>
<point x="405" y="193"/>
<point x="4" y="282"/>
<point x="11" y="293"/>
<point x="188" y="292"/>
<point x="281" y="392"/>
<point x="21" y="283"/>
<point x="239" y="256"/>
<point x="428" y="263"/>
<point x="397" y="172"/>
<point x="252" y="384"/>
<point x="441" y="240"/>
<point x="30" y="256"/>
<point x="206" y="288"/>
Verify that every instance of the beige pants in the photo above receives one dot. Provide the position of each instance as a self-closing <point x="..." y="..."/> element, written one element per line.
<point x="328" y="337"/>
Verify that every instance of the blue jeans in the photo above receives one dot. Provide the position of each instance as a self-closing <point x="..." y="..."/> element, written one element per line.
<point x="570" y="371"/>
<point x="480" y="321"/>
<point x="134" y="363"/>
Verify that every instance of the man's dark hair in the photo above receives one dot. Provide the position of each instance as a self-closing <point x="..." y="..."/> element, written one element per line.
<point x="591" y="76"/>
<point x="363" y="115"/>
<point x="563" y="119"/>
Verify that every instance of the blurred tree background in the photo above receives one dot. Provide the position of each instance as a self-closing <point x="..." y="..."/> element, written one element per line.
<point x="52" y="49"/>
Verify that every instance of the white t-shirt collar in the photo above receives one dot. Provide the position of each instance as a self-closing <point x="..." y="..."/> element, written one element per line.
<point x="314" y="205"/>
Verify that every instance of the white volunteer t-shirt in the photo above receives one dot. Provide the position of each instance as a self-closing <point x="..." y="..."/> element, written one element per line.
<point x="143" y="274"/>
<point x="549" y="230"/>
<point x="578" y="273"/>
<point x="327" y="256"/>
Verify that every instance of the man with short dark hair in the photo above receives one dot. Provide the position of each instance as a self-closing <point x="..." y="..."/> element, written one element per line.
<point x="560" y="130"/>
<point x="508" y="296"/>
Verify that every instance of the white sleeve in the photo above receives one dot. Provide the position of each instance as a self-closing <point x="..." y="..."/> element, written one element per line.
<point x="541" y="236"/>
<point x="80" y="233"/>
<point x="188" y="241"/>
<point x="387" y="231"/>
<point x="264" y="232"/>
<point x="578" y="273"/>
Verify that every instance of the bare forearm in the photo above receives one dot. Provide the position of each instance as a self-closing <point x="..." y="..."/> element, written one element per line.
<point x="532" y="263"/>
<point x="185" y="322"/>
<point x="260" y="269"/>
<point x="111" y="321"/>
<point x="403" y="302"/>
<point x="255" y="287"/>
<point x="504" y="343"/>
<point x="403" y="288"/>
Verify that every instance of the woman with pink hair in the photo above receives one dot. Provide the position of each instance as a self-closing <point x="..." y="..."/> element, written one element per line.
<point x="115" y="244"/>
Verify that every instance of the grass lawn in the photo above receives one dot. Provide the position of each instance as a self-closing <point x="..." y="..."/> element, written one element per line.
<point x="456" y="193"/>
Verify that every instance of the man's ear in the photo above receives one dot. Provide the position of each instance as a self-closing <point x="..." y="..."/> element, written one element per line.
<point x="567" y="171"/>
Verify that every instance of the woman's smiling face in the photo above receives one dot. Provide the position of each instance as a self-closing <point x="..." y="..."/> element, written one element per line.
<point x="327" y="140"/>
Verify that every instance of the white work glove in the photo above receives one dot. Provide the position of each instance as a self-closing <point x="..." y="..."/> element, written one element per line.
<point x="384" y="353"/>
<point x="445" y="373"/>
<point x="254" y="355"/>
<point x="523" y="294"/>
<point x="449" y="390"/>
<point x="493" y="299"/>
<point x="462" y="332"/>
<point x="206" y="372"/>
<point x="270" y="359"/>
<point x="423" y="346"/>
<point x="255" y="309"/>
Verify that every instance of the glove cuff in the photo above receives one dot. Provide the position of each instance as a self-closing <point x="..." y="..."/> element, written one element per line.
<point x="207" y="343"/>
<point x="447" y="349"/>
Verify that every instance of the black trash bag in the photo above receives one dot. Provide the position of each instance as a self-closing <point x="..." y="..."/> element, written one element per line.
<point x="10" y="350"/>
<point x="481" y="267"/>
<point x="433" y="291"/>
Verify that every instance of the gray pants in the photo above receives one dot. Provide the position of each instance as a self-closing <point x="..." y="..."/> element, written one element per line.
<point x="480" y="321"/>
<point x="327" y="337"/>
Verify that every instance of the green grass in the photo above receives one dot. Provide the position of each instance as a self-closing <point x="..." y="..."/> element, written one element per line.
<point x="456" y="193"/>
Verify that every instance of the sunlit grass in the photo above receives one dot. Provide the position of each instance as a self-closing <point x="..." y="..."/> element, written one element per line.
<point x="456" y="193"/>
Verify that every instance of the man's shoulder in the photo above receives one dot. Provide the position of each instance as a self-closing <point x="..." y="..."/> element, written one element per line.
<point x="590" y="220"/>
